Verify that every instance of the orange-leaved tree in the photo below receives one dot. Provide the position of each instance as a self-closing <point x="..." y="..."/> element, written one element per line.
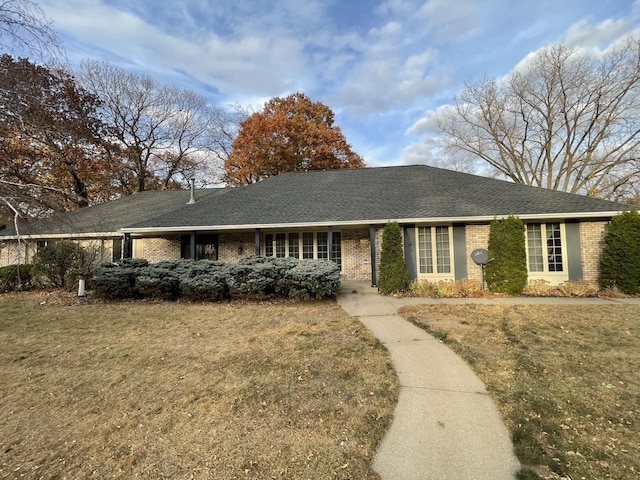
<point x="291" y="134"/>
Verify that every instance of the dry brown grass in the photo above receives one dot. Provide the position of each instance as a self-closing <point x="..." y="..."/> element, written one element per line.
<point x="180" y="391"/>
<point x="566" y="379"/>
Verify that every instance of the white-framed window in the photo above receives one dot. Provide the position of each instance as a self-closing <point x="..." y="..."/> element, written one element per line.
<point x="305" y="245"/>
<point x="545" y="248"/>
<point x="435" y="250"/>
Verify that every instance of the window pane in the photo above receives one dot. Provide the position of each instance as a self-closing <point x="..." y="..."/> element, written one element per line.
<point x="323" y="248"/>
<point x="425" y="250"/>
<point x="534" y="247"/>
<point x="442" y="250"/>
<point x="281" y="250"/>
<point x="307" y="245"/>
<point x="337" y="249"/>
<point x="116" y="250"/>
<point x="294" y="245"/>
<point x="554" y="247"/>
<point x="268" y="245"/>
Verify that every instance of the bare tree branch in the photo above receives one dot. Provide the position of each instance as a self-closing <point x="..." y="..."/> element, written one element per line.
<point x="25" y="29"/>
<point x="566" y="121"/>
<point x="167" y="135"/>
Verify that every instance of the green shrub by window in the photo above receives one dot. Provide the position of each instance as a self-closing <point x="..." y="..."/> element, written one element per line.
<point x="507" y="273"/>
<point x="394" y="275"/>
<point x="620" y="261"/>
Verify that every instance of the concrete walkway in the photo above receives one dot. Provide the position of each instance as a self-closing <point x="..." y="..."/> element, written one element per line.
<point x="445" y="424"/>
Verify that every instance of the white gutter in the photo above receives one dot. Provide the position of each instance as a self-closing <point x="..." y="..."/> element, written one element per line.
<point x="80" y="236"/>
<point x="483" y="219"/>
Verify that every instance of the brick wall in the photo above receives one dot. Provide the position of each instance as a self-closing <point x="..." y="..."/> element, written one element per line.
<point x="356" y="255"/>
<point x="10" y="254"/>
<point x="158" y="248"/>
<point x="591" y="235"/>
<point x="228" y="244"/>
<point x="476" y="236"/>
<point x="379" y="230"/>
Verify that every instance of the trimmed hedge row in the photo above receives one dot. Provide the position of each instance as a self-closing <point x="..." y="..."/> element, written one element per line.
<point x="255" y="278"/>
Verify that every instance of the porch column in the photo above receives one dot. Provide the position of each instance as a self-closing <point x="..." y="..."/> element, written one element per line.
<point x="192" y="246"/>
<point x="127" y="248"/>
<point x="257" y="242"/>
<point x="372" y="242"/>
<point x="330" y="243"/>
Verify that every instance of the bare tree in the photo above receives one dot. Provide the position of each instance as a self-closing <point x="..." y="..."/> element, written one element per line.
<point x="166" y="134"/>
<point x="566" y="121"/>
<point x="24" y="27"/>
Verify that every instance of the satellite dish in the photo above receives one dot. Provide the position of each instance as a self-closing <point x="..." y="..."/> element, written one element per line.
<point x="480" y="256"/>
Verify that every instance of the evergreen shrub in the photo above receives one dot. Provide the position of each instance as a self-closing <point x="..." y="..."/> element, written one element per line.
<point x="16" y="278"/>
<point x="254" y="278"/>
<point x="59" y="264"/>
<point x="620" y="260"/>
<point x="394" y="274"/>
<point x="118" y="280"/>
<point x="507" y="273"/>
<point x="206" y="286"/>
<point x="158" y="281"/>
<point x="312" y="279"/>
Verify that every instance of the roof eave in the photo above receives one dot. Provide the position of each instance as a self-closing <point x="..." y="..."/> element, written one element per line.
<point x="71" y="236"/>
<point x="465" y="219"/>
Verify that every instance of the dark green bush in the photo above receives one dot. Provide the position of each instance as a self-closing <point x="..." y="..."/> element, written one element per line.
<point x="507" y="273"/>
<point x="158" y="281"/>
<point x="118" y="280"/>
<point x="59" y="264"/>
<point x="15" y="278"/>
<point x="620" y="261"/>
<point x="133" y="262"/>
<point x="394" y="275"/>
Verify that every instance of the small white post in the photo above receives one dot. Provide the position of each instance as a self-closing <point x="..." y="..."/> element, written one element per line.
<point x="81" y="286"/>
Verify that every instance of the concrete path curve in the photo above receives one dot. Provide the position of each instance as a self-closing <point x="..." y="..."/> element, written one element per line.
<point x="445" y="424"/>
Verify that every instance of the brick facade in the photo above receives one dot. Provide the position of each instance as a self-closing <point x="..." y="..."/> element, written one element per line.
<point x="591" y="235"/>
<point x="356" y="255"/>
<point x="157" y="249"/>
<point x="476" y="236"/>
<point x="356" y="249"/>
<point x="229" y="243"/>
<point x="11" y="254"/>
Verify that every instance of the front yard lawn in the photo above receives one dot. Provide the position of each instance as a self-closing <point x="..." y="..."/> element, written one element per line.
<point x="566" y="379"/>
<point x="189" y="391"/>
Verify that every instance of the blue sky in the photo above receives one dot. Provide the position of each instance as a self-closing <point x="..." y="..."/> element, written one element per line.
<point x="382" y="66"/>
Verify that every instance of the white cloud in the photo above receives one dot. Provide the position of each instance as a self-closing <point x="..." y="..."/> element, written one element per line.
<point x="453" y="21"/>
<point x="269" y="63"/>
<point x="378" y="66"/>
<point x="585" y="35"/>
